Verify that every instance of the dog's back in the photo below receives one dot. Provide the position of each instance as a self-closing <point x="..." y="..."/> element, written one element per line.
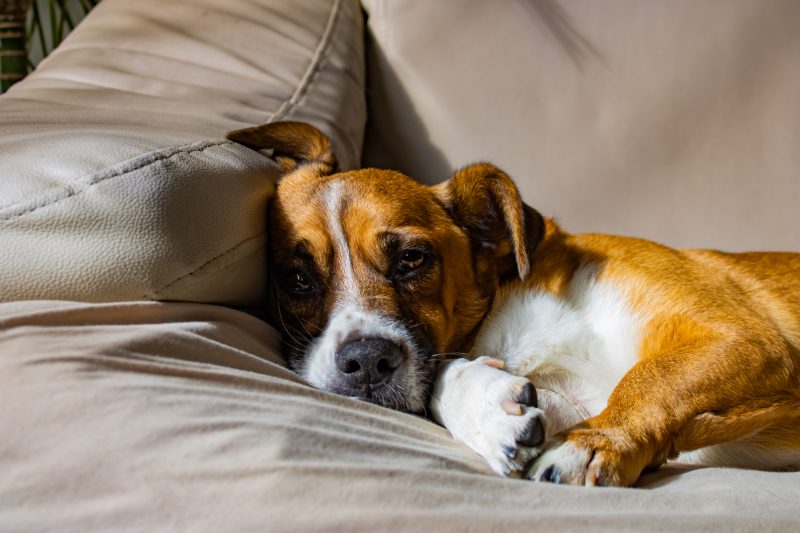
<point x="770" y="279"/>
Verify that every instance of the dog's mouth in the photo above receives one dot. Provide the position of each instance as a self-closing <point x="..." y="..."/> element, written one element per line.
<point x="381" y="395"/>
<point x="400" y="394"/>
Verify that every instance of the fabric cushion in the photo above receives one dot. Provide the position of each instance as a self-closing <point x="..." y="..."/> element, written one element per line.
<point x="676" y="121"/>
<point x="117" y="182"/>
<point x="174" y="416"/>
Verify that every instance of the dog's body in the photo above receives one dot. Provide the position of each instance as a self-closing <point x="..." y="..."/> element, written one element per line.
<point x="639" y="352"/>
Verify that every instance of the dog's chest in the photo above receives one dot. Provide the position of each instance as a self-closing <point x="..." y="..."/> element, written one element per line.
<point x="575" y="348"/>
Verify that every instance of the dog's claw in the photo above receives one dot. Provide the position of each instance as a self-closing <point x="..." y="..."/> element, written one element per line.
<point x="550" y="475"/>
<point x="510" y="452"/>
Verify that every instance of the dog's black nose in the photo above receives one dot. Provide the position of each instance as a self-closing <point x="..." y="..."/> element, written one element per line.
<point x="368" y="361"/>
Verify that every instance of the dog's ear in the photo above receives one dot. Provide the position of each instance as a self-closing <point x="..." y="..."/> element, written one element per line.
<point x="484" y="201"/>
<point x="291" y="144"/>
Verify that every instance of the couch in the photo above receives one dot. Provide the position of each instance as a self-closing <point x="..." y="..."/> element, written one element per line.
<point x="142" y="386"/>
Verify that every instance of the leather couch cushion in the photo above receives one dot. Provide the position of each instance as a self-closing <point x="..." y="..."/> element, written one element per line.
<point x="677" y="121"/>
<point x="115" y="179"/>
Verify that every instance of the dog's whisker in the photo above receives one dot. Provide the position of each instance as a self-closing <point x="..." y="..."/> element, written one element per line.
<point x="295" y="335"/>
<point x="300" y="343"/>
<point x="305" y="329"/>
<point x="302" y="335"/>
<point x="293" y="345"/>
<point x="449" y="356"/>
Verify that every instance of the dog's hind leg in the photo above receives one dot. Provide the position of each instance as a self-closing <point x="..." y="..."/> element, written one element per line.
<point x="767" y="446"/>
<point x="705" y="393"/>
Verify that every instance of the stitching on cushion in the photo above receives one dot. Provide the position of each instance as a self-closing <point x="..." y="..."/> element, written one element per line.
<point x="213" y="259"/>
<point x="310" y="77"/>
<point x="285" y="108"/>
<point x="314" y="66"/>
<point x="124" y="168"/>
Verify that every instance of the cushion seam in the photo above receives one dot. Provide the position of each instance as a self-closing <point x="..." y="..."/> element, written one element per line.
<point x="286" y="107"/>
<point x="71" y="192"/>
<point x="231" y="250"/>
<point x="314" y="66"/>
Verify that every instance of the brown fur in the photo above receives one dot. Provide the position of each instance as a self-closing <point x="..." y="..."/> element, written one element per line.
<point x="720" y="355"/>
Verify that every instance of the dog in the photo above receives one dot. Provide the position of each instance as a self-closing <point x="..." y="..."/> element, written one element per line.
<point x="599" y="356"/>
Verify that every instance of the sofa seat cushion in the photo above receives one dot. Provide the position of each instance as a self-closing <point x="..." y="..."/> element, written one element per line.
<point x="148" y="416"/>
<point x="116" y="182"/>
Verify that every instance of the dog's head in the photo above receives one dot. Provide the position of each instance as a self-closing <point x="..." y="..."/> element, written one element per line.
<point x="375" y="276"/>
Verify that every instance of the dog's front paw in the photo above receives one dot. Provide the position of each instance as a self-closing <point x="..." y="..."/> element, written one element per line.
<point x="584" y="456"/>
<point x="491" y="411"/>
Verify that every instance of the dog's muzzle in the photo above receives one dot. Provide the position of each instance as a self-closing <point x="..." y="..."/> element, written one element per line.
<point x="365" y="364"/>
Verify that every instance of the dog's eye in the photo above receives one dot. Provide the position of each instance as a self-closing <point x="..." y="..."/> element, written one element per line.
<point x="299" y="282"/>
<point x="410" y="260"/>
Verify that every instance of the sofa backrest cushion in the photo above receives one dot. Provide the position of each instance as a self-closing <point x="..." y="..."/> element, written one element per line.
<point x="116" y="182"/>
<point x="677" y="121"/>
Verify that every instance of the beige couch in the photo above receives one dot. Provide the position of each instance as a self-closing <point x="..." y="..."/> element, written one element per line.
<point x="135" y="396"/>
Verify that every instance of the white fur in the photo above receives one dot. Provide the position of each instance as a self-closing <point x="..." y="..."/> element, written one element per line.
<point x="350" y="319"/>
<point x="350" y="322"/>
<point x="576" y="348"/>
<point x="333" y="213"/>
<point x="467" y="400"/>
<point x="744" y="453"/>
<point x="572" y="464"/>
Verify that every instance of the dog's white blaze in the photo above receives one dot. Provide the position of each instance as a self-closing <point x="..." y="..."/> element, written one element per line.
<point x="333" y="212"/>
<point x="350" y="319"/>
<point x="578" y="347"/>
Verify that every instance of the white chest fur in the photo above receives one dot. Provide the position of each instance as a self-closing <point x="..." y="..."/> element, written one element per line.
<point x="574" y="349"/>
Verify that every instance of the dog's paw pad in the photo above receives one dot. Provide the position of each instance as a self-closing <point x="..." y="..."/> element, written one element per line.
<point x="533" y="434"/>
<point x="492" y="362"/>
<point x="512" y="408"/>
<point x="527" y="395"/>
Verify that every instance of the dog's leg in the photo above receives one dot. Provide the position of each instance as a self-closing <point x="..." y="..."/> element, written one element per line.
<point x="697" y="395"/>
<point x="491" y="411"/>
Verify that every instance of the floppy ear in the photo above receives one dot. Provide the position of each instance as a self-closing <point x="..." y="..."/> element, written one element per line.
<point x="484" y="201"/>
<point x="291" y="144"/>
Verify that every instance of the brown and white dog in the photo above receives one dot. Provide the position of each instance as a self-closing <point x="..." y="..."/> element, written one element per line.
<point x="639" y="352"/>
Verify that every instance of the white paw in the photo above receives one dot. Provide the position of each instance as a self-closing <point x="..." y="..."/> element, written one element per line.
<point x="583" y="457"/>
<point x="491" y="411"/>
<point x="563" y="462"/>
